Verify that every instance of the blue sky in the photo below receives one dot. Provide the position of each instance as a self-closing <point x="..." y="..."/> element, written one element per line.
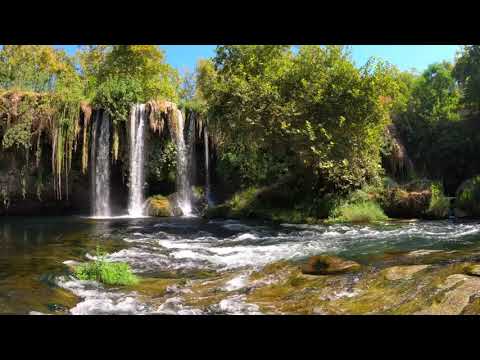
<point x="405" y="57"/>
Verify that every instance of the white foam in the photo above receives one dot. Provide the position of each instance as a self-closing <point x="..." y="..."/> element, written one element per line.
<point x="236" y="305"/>
<point x="236" y="283"/>
<point x="246" y="236"/>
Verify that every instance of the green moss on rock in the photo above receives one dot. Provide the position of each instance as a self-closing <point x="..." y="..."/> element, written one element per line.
<point x="418" y="199"/>
<point x="159" y="205"/>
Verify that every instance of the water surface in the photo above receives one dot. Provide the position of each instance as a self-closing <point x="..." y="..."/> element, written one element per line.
<point x="35" y="251"/>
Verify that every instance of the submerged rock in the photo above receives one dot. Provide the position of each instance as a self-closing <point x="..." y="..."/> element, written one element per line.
<point x="422" y="252"/>
<point x="327" y="264"/>
<point x="403" y="272"/>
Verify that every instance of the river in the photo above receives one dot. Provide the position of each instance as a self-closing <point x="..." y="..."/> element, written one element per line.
<point x="187" y="265"/>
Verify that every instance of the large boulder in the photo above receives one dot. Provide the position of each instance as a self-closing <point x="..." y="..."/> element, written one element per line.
<point x="467" y="201"/>
<point x="417" y="199"/>
<point x="328" y="264"/>
<point x="160" y="206"/>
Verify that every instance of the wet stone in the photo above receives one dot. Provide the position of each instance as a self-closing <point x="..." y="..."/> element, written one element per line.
<point x="327" y="265"/>
<point x="422" y="252"/>
<point x="460" y="289"/>
<point x="403" y="272"/>
<point x="473" y="270"/>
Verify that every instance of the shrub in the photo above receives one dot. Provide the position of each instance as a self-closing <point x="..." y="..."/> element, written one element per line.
<point x="439" y="203"/>
<point x="364" y="211"/>
<point x="110" y="273"/>
<point x="468" y="196"/>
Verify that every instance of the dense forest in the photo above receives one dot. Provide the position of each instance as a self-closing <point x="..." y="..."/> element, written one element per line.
<point x="297" y="132"/>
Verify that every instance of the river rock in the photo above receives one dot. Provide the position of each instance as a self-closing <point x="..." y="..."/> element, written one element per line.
<point x="422" y="252"/>
<point x="403" y="272"/>
<point x="461" y="288"/>
<point x="473" y="270"/>
<point x="459" y="213"/>
<point x="327" y="264"/>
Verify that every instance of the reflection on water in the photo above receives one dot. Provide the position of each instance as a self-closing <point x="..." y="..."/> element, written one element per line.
<point x="33" y="276"/>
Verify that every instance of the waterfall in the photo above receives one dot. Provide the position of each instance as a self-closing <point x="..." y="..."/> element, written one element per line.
<point x="183" y="181"/>
<point x="137" y="160"/>
<point x="207" y="168"/>
<point x="100" y="165"/>
<point x="191" y="149"/>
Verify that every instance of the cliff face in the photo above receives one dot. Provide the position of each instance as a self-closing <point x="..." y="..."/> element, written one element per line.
<point x="27" y="189"/>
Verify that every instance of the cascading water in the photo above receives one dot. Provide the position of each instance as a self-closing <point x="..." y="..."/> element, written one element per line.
<point x="207" y="168"/>
<point x="137" y="143"/>
<point x="191" y="150"/>
<point x="183" y="181"/>
<point x="100" y="166"/>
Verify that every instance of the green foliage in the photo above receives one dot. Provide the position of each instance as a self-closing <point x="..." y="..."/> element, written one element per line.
<point x="162" y="161"/>
<point x="468" y="197"/>
<point x="436" y="95"/>
<point x="110" y="273"/>
<point x="364" y="211"/>
<point x="46" y="88"/>
<point x="439" y="203"/>
<point x="431" y="130"/>
<point x="358" y="206"/>
<point x="289" y="104"/>
<point x="117" y="94"/>
<point x="467" y="73"/>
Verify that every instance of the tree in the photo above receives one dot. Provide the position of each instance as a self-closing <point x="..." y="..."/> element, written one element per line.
<point x="126" y="74"/>
<point x="467" y="73"/>
<point x="311" y="115"/>
<point x="436" y="95"/>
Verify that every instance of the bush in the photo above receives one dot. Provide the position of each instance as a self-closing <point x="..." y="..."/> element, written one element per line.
<point x="110" y="273"/>
<point x="365" y="211"/>
<point x="439" y="203"/>
<point x="468" y="196"/>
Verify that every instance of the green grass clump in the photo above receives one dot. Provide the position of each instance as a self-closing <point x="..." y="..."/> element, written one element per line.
<point x="365" y="211"/>
<point x="439" y="203"/>
<point x="110" y="273"/>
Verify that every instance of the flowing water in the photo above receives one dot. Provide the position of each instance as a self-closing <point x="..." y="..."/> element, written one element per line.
<point x="172" y="255"/>
<point x="183" y="181"/>
<point x="100" y="166"/>
<point x="137" y="144"/>
<point x="207" y="167"/>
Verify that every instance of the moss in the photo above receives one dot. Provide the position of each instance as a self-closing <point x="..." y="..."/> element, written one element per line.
<point x="159" y="205"/>
<point x="417" y="199"/>
<point x="288" y="291"/>
<point x="152" y="287"/>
